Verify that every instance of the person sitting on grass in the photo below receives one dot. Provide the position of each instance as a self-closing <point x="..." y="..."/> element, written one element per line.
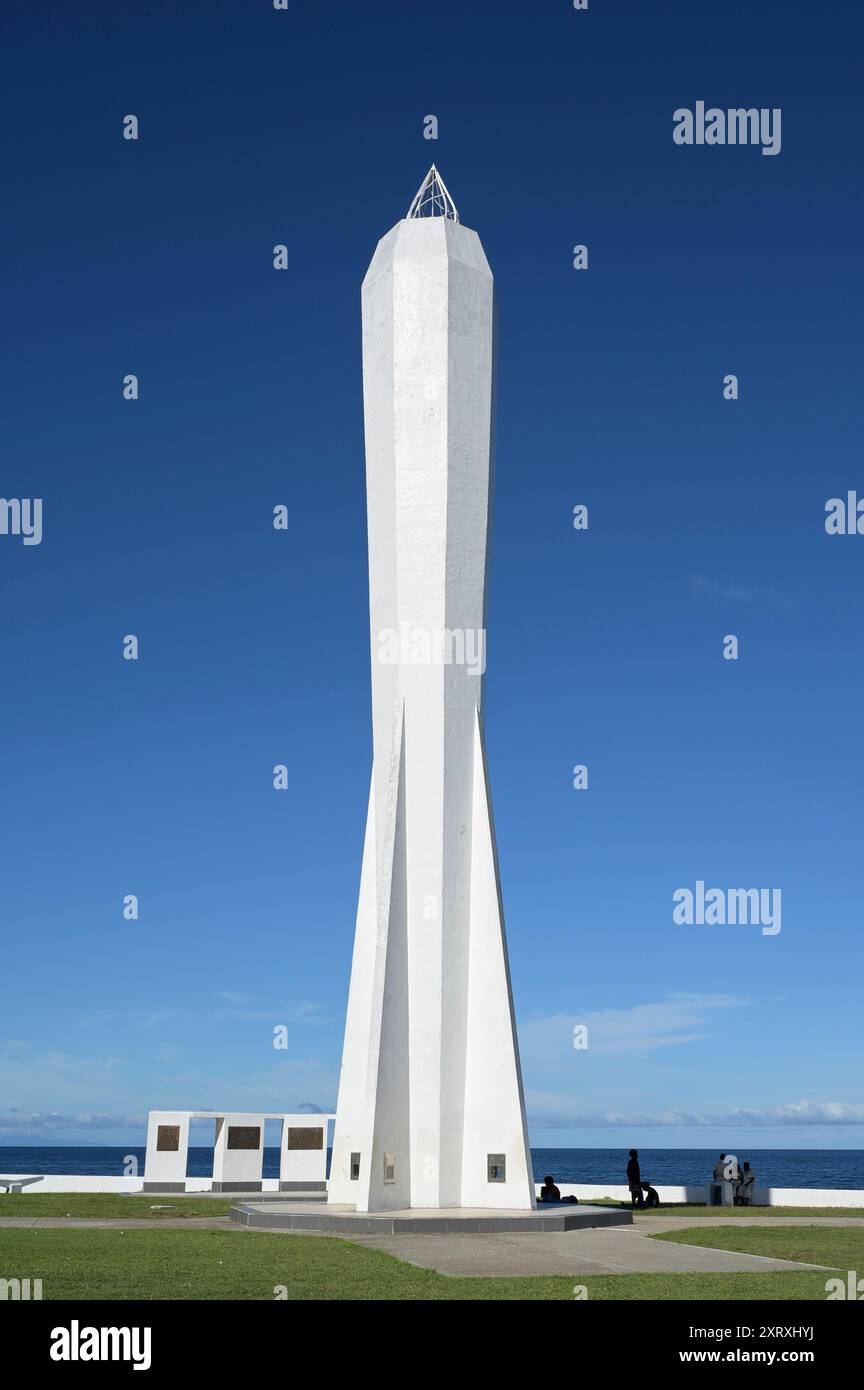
<point x="652" y="1197"/>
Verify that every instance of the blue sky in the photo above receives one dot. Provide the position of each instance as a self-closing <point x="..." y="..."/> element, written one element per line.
<point x="305" y="128"/>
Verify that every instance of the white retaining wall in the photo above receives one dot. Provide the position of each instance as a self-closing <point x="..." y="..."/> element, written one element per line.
<point x="57" y="1182"/>
<point x="586" y="1192"/>
<point x="762" y="1196"/>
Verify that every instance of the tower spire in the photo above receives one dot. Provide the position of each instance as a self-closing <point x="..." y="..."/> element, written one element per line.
<point x="433" y="199"/>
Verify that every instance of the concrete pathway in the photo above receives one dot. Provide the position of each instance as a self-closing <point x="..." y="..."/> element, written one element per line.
<point x="615" y="1250"/>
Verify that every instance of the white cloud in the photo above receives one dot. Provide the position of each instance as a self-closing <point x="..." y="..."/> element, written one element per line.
<point x="755" y="595"/>
<point x="670" y="1022"/>
<point x="54" y="1091"/>
<point x="301" y="1011"/>
<point x="41" y="1125"/>
<point x="47" y="1076"/>
<point x="562" y="1114"/>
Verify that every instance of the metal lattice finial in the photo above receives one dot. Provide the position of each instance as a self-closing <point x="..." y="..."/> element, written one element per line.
<point x="432" y="199"/>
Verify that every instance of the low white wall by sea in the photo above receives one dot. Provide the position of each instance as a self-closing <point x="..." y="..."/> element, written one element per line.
<point x="762" y="1196"/>
<point x="586" y="1192"/>
<point x="64" y="1182"/>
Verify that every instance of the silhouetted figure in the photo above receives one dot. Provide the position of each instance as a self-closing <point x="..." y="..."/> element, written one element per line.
<point x="550" y="1193"/>
<point x="744" y="1186"/>
<point x="634" y="1179"/>
<point x="717" y="1184"/>
<point x="652" y="1196"/>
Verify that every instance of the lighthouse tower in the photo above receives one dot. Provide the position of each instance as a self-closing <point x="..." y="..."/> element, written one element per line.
<point x="431" y="1110"/>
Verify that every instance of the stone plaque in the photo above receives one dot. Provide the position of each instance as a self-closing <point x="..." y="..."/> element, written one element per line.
<point x="168" y="1138"/>
<point x="244" y="1136"/>
<point x="305" y="1137"/>
<point x="496" y="1168"/>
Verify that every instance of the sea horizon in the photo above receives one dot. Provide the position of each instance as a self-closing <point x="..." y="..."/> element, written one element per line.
<point x="842" y="1169"/>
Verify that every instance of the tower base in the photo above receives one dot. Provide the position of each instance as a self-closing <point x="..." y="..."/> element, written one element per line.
<point x="344" y="1220"/>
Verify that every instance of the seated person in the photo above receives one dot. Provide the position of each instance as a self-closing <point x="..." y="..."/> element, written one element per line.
<point x="652" y="1197"/>
<point x="550" y="1193"/>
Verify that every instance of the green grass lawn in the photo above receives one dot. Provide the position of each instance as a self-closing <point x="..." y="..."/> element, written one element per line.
<point x="724" y="1213"/>
<point x="841" y="1247"/>
<point x="111" y="1204"/>
<point x="237" y="1264"/>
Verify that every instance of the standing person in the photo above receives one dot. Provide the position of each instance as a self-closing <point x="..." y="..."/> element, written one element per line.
<point x="716" y="1186"/>
<point x="746" y="1186"/>
<point x="634" y="1179"/>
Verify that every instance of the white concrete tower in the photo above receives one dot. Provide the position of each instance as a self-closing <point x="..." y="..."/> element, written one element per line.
<point x="431" y="1111"/>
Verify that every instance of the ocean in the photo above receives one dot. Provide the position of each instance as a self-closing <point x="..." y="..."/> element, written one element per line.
<point x="837" y="1168"/>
